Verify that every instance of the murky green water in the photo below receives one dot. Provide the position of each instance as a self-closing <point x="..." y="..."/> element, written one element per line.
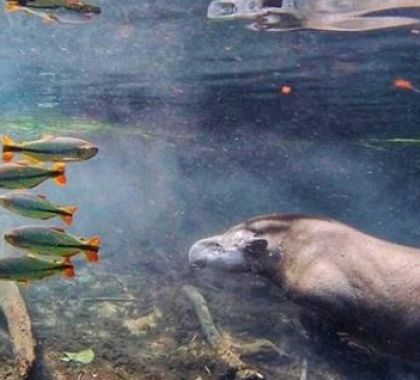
<point x="195" y="136"/>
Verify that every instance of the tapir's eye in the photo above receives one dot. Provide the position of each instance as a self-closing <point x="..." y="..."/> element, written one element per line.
<point x="227" y="8"/>
<point x="217" y="247"/>
<point x="256" y="246"/>
<point x="272" y="3"/>
<point x="252" y="6"/>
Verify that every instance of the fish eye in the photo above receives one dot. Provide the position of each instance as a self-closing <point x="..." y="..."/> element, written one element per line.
<point x="272" y="3"/>
<point x="252" y="6"/>
<point x="227" y="8"/>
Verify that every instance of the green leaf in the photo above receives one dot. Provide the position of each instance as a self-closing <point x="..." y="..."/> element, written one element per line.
<point x="84" y="357"/>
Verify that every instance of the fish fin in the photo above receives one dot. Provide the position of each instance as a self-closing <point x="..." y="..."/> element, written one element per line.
<point x="94" y="242"/>
<point x="69" y="272"/>
<point x="8" y="156"/>
<point x="60" y="168"/>
<point x="92" y="256"/>
<point x="67" y="260"/>
<point x="11" y="6"/>
<point x="58" y="229"/>
<point x="23" y="162"/>
<point x="32" y="160"/>
<point x="49" y="18"/>
<point x="7" y="142"/>
<point x="41" y="196"/>
<point x="70" y="211"/>
<point x="47" y="136"/>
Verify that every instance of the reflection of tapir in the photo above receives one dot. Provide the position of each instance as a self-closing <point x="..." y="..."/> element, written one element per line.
<point x="365" y="287"/>
<point x="334" y="15"/>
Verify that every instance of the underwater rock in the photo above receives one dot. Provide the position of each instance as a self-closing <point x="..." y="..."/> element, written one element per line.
<point x="144" y="324"/>
<point x="19" y="324"/>
<point x="108" y="310"/>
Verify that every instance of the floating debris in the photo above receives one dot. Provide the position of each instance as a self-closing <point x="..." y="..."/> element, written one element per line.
<point x="52" y="241"/>
<point x="21" y="175"/>
<point x="404" y="84"/>
<point x="83" y="357"/>
<point x="286" y="89"/>
<point x="50" y="148"/>
<point x="36" y="206"/>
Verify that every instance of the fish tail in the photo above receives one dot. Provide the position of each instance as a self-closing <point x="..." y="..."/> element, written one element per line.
<point x="60" y="170"/>
<point x="8" y="144"/>
<point x="69" y="272"/>
<point x="92" y="256"/>
<point x="11" y="6"/>
<point x="69" y="214"/>
<point x="93" y="245"/>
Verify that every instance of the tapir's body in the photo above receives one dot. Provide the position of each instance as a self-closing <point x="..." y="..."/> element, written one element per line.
<point x="365" y="287"/>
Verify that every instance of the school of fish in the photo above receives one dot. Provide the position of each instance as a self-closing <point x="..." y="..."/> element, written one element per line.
<point x="48" y="250"/>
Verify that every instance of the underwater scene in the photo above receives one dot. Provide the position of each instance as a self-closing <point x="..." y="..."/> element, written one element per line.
<point x="210" y="189"/>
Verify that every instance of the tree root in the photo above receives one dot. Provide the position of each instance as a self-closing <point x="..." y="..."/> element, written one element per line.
<point x="19" y="324"/>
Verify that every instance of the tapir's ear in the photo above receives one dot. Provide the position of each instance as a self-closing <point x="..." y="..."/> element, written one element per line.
<point x="256" y="246"/>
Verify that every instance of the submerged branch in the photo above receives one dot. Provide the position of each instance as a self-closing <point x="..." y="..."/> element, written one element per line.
<point x="220" y="344"/>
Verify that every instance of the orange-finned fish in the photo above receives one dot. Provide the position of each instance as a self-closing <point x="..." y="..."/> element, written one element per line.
<point x="36" y="206"/>
<point x="27" y="268"/>
<point x="404" y="84"/>
<point x="52" y="241"/>
<point x="50" y="148"/>
<point x="22" y="176"/>
<point x="42" y="9"/>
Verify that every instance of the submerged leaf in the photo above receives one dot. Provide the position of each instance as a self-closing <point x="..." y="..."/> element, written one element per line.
<point x="84" y="357"/>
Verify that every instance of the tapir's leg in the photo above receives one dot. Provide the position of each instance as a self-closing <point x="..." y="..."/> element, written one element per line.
<point x="382" y="5"/>
<point x="361" y="24"/>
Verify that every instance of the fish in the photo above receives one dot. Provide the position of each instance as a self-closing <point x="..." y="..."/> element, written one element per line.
<point x="20" y="175"/>
<point x="36" y="206"/>
<point x="49" y="148"/>
<point x="70" y="5"/>
<point x="53" y="241"/>
<point x="43" y="8"/>
<point x="28" y="268"/>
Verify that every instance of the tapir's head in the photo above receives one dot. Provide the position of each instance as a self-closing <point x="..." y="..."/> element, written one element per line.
<point x="256" y="245"/>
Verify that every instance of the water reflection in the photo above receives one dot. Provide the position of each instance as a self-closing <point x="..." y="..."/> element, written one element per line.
<point x="339" y="16"/>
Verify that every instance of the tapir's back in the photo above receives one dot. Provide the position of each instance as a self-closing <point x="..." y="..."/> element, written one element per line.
<point x="368" y="287"/>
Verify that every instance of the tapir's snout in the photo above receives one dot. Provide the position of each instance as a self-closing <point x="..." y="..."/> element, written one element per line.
<point x="211" y="253"/>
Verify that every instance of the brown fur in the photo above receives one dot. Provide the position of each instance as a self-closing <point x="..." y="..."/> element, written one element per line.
<point x="364" y="286"/>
